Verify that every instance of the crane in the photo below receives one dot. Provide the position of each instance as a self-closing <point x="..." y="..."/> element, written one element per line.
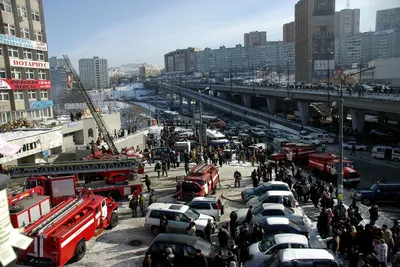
<point x="96" y="116"/>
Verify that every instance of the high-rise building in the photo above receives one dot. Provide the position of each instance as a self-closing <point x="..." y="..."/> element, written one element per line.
<point x="25" y="88"/>
<point x="315" y="29"/>
<point x="255" y="38"/>
<point x="180" y="61"/>
<point x="61" y="80"/>
<point x="57" y="63"/>
<point x="387" y="19"/>
<point x="93" y="72"/>
<point x="148" y="72"/>
<point x="347" y="22"/>
<point x="289" y="32"/>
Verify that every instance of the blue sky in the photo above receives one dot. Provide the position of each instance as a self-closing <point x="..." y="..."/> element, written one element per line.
<point x="137" y="31"/>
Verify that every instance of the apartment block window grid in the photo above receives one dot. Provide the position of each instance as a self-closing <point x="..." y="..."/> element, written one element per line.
<point x="35" y="15"/>
<point x="27" y="54"/>
<point x="25" y="33"/>
<point x="22" y="12"/>
<point x="39" y="55"/>
<point x="15" y="74"/>
<point x="5" y="5"/>
<point x="13" y="52"/>
<point x="9" y="29"/>
<point x="32" y="95"/>
<point x="30" y="74"/>
<point x="38" y="36"/>
<point x="4" y="96"/>
<point x="43" y="94"/>
<point x="42" y="75"/>
<point x="19" y="95"/>
<point x="2" y="73"/>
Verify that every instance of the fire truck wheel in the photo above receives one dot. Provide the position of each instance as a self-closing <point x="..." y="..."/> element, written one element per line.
<point x="16" y="208"/>
<point x="155" y="230"/>
<point x="113" y="221"/>
<point x="80" y="250"/>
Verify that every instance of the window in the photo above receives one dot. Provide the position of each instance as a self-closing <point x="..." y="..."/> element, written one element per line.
<point x="38" y="35"/>
<point x="32" y="94"/>
<point x="272" y="213"/>
<point x="39" y="55"/>
<point x="5" y="5"/>
<point x="200" y="206"/>
<point x="29" y="74"/>
<point x="43" y="94"/>
<point x="9" y="29"/>
<point x="1" y="51"/>
<point x="4" y="96"/>
<point x="22" y="11"/>
<point x="35" y="15"/>
<point x="44" y="113"/>
<point x="27" y="54"/>
<point x="13" y="52"/>
<point x="42" y="75"/>
<point x="15" y="74"/>
<point x="25" y="33"/>
<point x="18" y="95"/>
<point x="2" y="73"/>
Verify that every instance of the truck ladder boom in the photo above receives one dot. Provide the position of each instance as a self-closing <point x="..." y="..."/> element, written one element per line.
<point x="56" y="216"/>
<point x="96" y="116"/>
<point x="72" y="167"/>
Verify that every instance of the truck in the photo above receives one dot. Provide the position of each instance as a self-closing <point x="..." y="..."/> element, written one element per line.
<point x="326" y="165"/>
<point x="201" y="180"/>
<point x="60" y="235"/>
<point x="299" y="151"/>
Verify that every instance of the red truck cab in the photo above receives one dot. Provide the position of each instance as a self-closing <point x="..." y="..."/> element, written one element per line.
<point x="201" y="181"/>
<point x="299" y="151"/>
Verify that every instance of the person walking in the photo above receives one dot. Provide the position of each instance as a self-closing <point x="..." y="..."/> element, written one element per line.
<point x="323" y="147"/>
<point x="373" y="215"/>
<point x="208" y="230"/>
<point x="152" y="197"/>
<point x="353" y="150"/>
<point x="147" y="182"/>
<point x="164" y="168"/>
<point x="133" y="205"/>
<point x="157" y="168"/>
<point x="142" y="204"/>
<point x="381" y="250"/>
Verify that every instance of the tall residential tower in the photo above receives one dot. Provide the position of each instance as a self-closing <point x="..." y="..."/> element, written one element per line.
<point x="347" y="22"/>
<point x="93" y="72"/>
<point x="255" y="38"/>
<point x="387" y="19"/>
<point x="289" y="32"/>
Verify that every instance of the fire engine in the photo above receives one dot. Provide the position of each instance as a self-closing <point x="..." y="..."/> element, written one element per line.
<point x="326" y="164"/>
<point x="201" y="181"/>
<point x="61" y="234"/>
<point x="299" y="151"/>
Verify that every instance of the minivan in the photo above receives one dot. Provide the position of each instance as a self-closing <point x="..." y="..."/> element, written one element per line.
<point x="386" y="152"/>
<point x="306" y="257"/>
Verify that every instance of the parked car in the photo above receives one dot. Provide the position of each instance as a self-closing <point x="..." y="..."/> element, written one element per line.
<point x="272" y="133"/>
<point x="267" y="210"/>
<point x="309" y="140"/>
<point x="178" y="217"/>
<point x="357" y="146"/>
<point x="263" y="250"/>
<point x="291" y="257"/>
<point x="211" y="206"/>
<point x="363" y="88"/>
<point x="250" y="192"/>
<point x="378" y="192"/>
<point x="275" y="225"/>
<point x="184" y="249"/>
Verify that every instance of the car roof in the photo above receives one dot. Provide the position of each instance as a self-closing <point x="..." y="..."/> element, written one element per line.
<point x="273" y="206"/>
<point x="177" y="238"/>
<point x="272" y="183"/>
<point x="291" y="254"/>
<point x="277" y="220"/>
<point x="290" y="238"/>
<point x="168" y="207"/>
<point x="279" y="193"/>
<point x="204" y="199"/>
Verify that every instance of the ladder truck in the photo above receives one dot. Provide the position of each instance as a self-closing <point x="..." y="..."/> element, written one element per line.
<point x="61" y="235"/>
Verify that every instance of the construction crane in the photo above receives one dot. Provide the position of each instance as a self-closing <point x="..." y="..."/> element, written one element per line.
<point x="96" y="116"/>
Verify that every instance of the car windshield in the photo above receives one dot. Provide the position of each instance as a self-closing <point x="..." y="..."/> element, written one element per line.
<point x="374" y="187"/>
<point x="267" y="243"/>
<point x="260" y="189"/>
<point x="289" y="210"/>
<point x="258" y="209"/>
<point x="262" y="198"/>
<point x="192" y="214"/>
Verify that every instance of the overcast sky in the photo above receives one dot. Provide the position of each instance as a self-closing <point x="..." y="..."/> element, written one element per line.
<point x="137" y="31"/>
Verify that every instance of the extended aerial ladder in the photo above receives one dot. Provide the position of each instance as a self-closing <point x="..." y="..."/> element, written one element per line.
<point x="73" y="167"/>
<point x="96" y="116"/>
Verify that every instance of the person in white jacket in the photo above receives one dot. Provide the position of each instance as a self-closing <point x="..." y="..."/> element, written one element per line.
<point x="381" y="250"/>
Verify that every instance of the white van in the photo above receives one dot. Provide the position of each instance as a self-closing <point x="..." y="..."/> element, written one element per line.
<point x="304" y="257"/>
<point x="386" y="152"/>
<point x="324" y="138"/>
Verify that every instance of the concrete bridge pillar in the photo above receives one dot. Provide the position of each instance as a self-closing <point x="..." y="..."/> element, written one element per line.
<point x="246" y="100"/>
<point x="303" y="108"/>
<point x="357" y="119"/>
<point x="180" y="99"/>
<point x="271" y="103"/>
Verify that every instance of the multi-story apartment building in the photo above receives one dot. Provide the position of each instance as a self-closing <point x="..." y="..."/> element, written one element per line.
<point x="25" y="88"/>
<point x="255" y="38"/>
<point x="289" y="32"/>
<point x="347" y="22"/>
<point x="180" y="61"/>
<point x="388" y="19"/>
<point x="61" y="80"/>
<point x="93" y="72"/>
<point x="148" y="72"/>
<point x="273" y="55"/>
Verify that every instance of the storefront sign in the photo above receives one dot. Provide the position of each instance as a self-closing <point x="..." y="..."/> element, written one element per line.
<point x="24" y="84"/>
<point x="20" y="42"/>
<point x="29" y="64"/>
<point x="41" y="104"/>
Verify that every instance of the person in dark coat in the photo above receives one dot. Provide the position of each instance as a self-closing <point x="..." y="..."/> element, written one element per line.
<point x="218" y="260"/>
<point x="373" y="215"/>
<point x="223" y="237"/>
<point x="233" y="224"/>
<point x="249" y="215"/>
<point x="208" y="230"/>
<point x="147" y="262"/>
<point x="354" y="257"/>
<point x="199" y="259"/>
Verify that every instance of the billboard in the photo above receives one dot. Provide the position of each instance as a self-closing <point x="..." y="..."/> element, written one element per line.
<point x="20" y="42"/>
<point x="15" y="62"/>
<point x="322" y="51"/>
<point x="41" y="104"/>
<point x="69" y="81"/>
<point x="14" y="84"/>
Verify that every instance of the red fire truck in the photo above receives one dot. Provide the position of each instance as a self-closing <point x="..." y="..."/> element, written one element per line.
<point x="201" y="181"/>
<point x="299" y="151"/>
<point x="61" y="234"/>
<point x="326" y="165"/>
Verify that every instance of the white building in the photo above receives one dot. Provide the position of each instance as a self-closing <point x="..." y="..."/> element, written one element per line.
<point x="387" y="71"/>
<point x="93" y="72"/>
<point x="388" y="19"/>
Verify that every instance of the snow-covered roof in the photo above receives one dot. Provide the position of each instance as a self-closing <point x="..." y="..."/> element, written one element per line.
<point x="19" y="134"/>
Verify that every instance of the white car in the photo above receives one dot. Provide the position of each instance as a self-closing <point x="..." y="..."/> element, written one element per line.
<point x="309" y="140"/>
<point x="211" y="206"/>
<point x="272" y="210"/>
<point x="349" y="145"/>
<point x="260" y="126"/>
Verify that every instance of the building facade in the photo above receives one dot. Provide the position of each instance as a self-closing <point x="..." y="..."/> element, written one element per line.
<point x="347" y="22"/>
<point x="148" y="72"/>
<point x="387" y="19"/>
<point x="25" y="88"/>
<point x="180" y="61"/>
<point x="255" y="38"/>
<point x="289" y="32"/>
<point x="273" y="55"/>
<point x="93" y="72"/>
